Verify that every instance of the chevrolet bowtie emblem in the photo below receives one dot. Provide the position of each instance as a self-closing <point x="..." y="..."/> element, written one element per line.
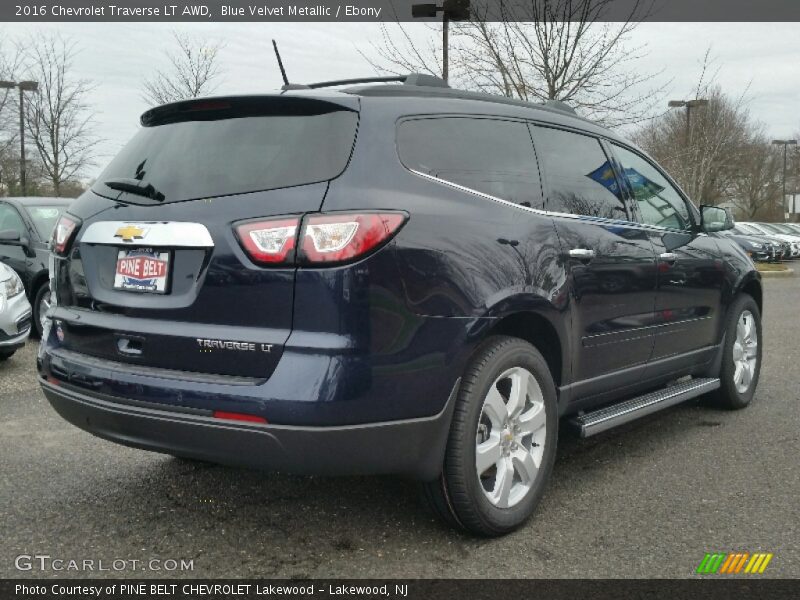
<point x="128" y="233"/>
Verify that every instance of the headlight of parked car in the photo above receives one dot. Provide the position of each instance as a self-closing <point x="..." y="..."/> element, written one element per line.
<point x="755" y="246"/>
<point x="13" y="286"/>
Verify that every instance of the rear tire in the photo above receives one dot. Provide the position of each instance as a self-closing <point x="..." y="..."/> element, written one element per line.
<point x="41" y="302"/>
<point x="741" y="355"/>
<point x="505" y="426"/>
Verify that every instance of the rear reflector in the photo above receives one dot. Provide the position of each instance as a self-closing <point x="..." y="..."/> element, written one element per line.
<point x="231" y="416"/>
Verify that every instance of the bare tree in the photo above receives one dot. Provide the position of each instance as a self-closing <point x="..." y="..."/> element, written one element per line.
<point x="193" y="69"/>
<point x="756" y="186"/>
<point x="705" y="150"/>
<point x="540" y="50"/>
<point x="59" y="120"/>
<point x="9" y="67"/>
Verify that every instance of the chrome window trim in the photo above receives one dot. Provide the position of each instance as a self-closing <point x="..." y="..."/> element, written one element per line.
<point x="176" y="234"/>
<point x="539" y="211"/>
<point x="572" y="129"/>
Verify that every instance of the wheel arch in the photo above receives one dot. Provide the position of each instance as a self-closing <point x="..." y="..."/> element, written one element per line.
<point x="41" y="278"/>
<point x="751" y="285"/>
<point x="539" y="331"/>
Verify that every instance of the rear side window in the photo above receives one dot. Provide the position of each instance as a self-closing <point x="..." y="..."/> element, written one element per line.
<point x="213" y="151"/>
<point x="659" y="203"/>
<point x="486" y="155"/>
<point x="579" y="178"/>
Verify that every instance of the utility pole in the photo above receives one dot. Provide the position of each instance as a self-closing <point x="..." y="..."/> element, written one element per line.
<point x="23" y="86"/>
<point x="452" y="10"/>
<point x="785" y="144"/>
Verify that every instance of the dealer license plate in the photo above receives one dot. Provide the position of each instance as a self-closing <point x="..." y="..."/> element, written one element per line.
<point x="142" y="270"/>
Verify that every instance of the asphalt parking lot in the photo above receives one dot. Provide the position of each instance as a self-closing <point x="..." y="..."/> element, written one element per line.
<point x="646" y="500"/>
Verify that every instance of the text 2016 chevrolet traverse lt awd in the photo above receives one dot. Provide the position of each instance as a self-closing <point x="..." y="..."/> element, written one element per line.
<point x="393" y="278"/>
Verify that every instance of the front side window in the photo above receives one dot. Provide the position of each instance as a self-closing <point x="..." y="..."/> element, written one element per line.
<point x="10" y="220"/>
<point x="659" y="202"/>
<point x="579" y="177"/>
<point x="486" y="155"/>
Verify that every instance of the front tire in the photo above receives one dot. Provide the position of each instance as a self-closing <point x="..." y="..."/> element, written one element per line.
<point x="6" y="354"/>
<point x="502" y="441"/>
<point x="741" y="355"/>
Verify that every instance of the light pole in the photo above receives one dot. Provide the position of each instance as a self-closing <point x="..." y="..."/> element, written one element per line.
<point x="22" y="86"/>
<point x="785" y="144"/>
<point x="452" y="10"/>
<point x="689" y="104"/>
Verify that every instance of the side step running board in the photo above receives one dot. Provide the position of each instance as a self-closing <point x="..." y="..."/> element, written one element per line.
<point x="592" y="423"/>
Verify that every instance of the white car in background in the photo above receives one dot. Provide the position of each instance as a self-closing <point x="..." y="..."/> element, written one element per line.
<point x="772" y="230"/>
<point x="15" y="313"/>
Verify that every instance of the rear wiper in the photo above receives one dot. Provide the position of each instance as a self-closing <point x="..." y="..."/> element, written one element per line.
<point x="134" y="186"/>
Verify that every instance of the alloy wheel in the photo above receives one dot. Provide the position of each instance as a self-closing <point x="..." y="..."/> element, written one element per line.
<point x="510" y="439"/>
<point x="745" y="352"/>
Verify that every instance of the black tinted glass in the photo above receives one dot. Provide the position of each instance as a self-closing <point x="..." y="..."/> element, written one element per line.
<point x="192" y="159"/>
<point x="579" y="177"/>
<point x="490" y="156"/>
<point x="659" y="203"/>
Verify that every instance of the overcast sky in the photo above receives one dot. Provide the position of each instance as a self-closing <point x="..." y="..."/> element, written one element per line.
<point x="117" y="57"/>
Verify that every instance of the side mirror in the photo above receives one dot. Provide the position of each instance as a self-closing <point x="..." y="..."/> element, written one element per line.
<point x="714" y="218"/>
<point x="10" y="237"/>
<point x="730" y="222"/>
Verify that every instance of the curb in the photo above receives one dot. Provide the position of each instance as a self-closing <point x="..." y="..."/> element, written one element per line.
<point x="786" y="273"/>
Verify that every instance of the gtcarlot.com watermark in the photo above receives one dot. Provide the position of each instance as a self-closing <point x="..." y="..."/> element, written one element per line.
<point x="47" y="563"/>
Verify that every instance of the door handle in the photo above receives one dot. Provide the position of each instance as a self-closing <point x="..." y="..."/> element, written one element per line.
<point x="582" y="254"/>
<point x="668" y="257"/>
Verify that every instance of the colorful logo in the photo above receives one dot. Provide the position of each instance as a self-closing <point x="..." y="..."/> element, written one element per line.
<point x="734" y="563"/>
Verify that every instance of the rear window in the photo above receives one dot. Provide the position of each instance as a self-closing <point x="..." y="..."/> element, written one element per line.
<point x="219" y="148"/>
<point x="44" y="218"/>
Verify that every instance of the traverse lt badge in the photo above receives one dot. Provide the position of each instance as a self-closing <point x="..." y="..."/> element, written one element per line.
<point x="129" y="233"/>
<point x="207" y="345"/>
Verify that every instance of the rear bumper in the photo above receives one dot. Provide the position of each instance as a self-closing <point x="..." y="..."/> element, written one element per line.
<point x="413" y="447"/>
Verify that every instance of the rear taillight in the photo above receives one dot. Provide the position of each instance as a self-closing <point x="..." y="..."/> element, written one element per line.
<point x="326" y="238"/>
<point x="334" y="238"/>
<point x="270" y="241"/>
<point x="63" y="233"/>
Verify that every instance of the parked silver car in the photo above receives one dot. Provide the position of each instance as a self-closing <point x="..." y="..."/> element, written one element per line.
<point x="15" y="313"/>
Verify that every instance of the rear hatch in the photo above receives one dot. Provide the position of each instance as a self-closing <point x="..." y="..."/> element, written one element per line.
<point x="157" y="275"/>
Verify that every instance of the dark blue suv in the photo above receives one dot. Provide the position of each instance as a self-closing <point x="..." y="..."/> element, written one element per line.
<point x="394" y="278"/>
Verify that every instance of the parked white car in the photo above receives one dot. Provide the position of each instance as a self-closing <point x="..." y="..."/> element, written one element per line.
<point x="15" y="313"/>
<point x="770" y="229"/>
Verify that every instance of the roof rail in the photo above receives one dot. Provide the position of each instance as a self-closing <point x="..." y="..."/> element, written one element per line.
<point x="418" y="79"/>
